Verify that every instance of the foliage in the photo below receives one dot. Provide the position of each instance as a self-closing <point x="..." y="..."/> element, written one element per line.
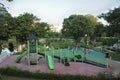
<point x="76" y="26"/>
<point x="109" y="41"/>
<point x="59" y="43"/>
<point x="113" y="18"/>
<point x="4" y="19"/>
<point x="81" y="44"/>
<point x="54" y="34"/>
<point x="62" y="45"/>
<point x="92" y="19"/>
<point x="22" y="26"/>
<point x="115" y="56"/>
<point x="93" y="23"/>
<point x="9" y="0"/>
<point x="99" y="29"/>
<point x="17" y="78"/>
<point x="41" y="29"/>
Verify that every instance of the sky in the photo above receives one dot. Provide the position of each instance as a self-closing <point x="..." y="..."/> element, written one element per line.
<point x="54" y="11"/>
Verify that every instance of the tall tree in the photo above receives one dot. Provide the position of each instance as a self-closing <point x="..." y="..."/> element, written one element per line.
<point x="9" y="0"/>
<point x="41" y="29"/>
<point x="4" y="17"/>
<point x="94" y="23"/>
<point x="113" y="18"/>
<point x="93" y="20"/>
<point x="24" y="25"/>
<point x="76" y="26"/>
<point x="99" y="29"/>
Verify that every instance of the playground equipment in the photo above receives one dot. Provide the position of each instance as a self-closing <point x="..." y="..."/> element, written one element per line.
<point x="49" y="55"/>
<point x="18" y="59"/>
<point x="96" y="58"/>
<point x="32" y="53"/>
<point x="50" y="62"/>
<point x="64" y="57"/>
<point x="76" y="55"/>
<point x="32" y="49"/>
<point x="80" y="55"/>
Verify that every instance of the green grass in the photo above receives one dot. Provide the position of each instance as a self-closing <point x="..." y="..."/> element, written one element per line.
<point x="115" y="56"/>
<point x="16" y="78"/>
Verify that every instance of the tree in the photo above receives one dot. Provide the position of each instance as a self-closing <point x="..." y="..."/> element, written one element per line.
<point x="23" y="24"/>
<point x="93" y="20"/>
<point x="4" y="17"/>
<point x="113" y="18"/>
<point x="99" y="29"/>
<point x="9" y="0"/>
<point x="41" y="29"/>
<point x="27" y="23"/>
<point x="94" y="25"/>
<point x="76" y="26"/>
<point x="54" y="34"/>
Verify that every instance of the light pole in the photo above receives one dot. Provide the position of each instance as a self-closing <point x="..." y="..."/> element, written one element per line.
<point x="86" y="38"/>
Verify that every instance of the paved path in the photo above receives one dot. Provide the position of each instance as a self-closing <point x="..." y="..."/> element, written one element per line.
<point x="116" y="67"/>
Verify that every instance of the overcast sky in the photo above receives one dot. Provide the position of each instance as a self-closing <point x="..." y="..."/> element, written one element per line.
<point x="54" y="11"/>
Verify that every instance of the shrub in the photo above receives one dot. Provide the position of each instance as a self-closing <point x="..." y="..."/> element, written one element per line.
<point x="109" y="41"/>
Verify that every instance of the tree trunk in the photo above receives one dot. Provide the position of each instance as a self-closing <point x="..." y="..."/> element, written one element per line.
<point x="76" y="44"/>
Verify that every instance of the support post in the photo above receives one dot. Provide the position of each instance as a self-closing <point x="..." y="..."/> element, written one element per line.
<point x="28" y="54"/>
<point x="60" y="55"/>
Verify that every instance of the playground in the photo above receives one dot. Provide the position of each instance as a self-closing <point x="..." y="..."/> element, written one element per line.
<point x="75" y="68"/>
<point x="74" y="61"/>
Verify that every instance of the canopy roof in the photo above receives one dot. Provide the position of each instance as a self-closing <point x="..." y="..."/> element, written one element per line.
<point x="32" y="37"/>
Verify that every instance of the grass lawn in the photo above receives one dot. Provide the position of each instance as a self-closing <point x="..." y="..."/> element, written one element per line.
<point x="16" y="78"/>
<point x="115" y="56"/>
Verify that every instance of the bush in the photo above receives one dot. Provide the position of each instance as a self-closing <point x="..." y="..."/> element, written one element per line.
<point x="108" y="41"/>
<point x="85" y="45"/>
<point x="62" y="45"/>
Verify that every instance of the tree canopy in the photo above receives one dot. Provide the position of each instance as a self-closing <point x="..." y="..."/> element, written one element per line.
<point x="4" y="19"/>
<point x="76" y="26"/>
<point x="113" y="18"/>
<point x="27" y="23"/>
<point x="21" y="26"/>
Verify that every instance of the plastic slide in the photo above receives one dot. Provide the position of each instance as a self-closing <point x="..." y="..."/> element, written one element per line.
<point x="50" y="62"/>
<point x="21" y="56"/>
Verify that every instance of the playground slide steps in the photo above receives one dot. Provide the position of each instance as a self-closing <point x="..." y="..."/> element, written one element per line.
<point x="50" y="62"/>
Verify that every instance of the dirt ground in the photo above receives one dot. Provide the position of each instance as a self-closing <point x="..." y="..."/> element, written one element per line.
<point x="75" y="68"/>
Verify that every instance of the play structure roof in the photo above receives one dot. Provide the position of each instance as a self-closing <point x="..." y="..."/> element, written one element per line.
<point x="32" y="37"/>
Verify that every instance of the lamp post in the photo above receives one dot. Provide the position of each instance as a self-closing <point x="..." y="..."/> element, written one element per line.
<point x="86" y="38"/>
